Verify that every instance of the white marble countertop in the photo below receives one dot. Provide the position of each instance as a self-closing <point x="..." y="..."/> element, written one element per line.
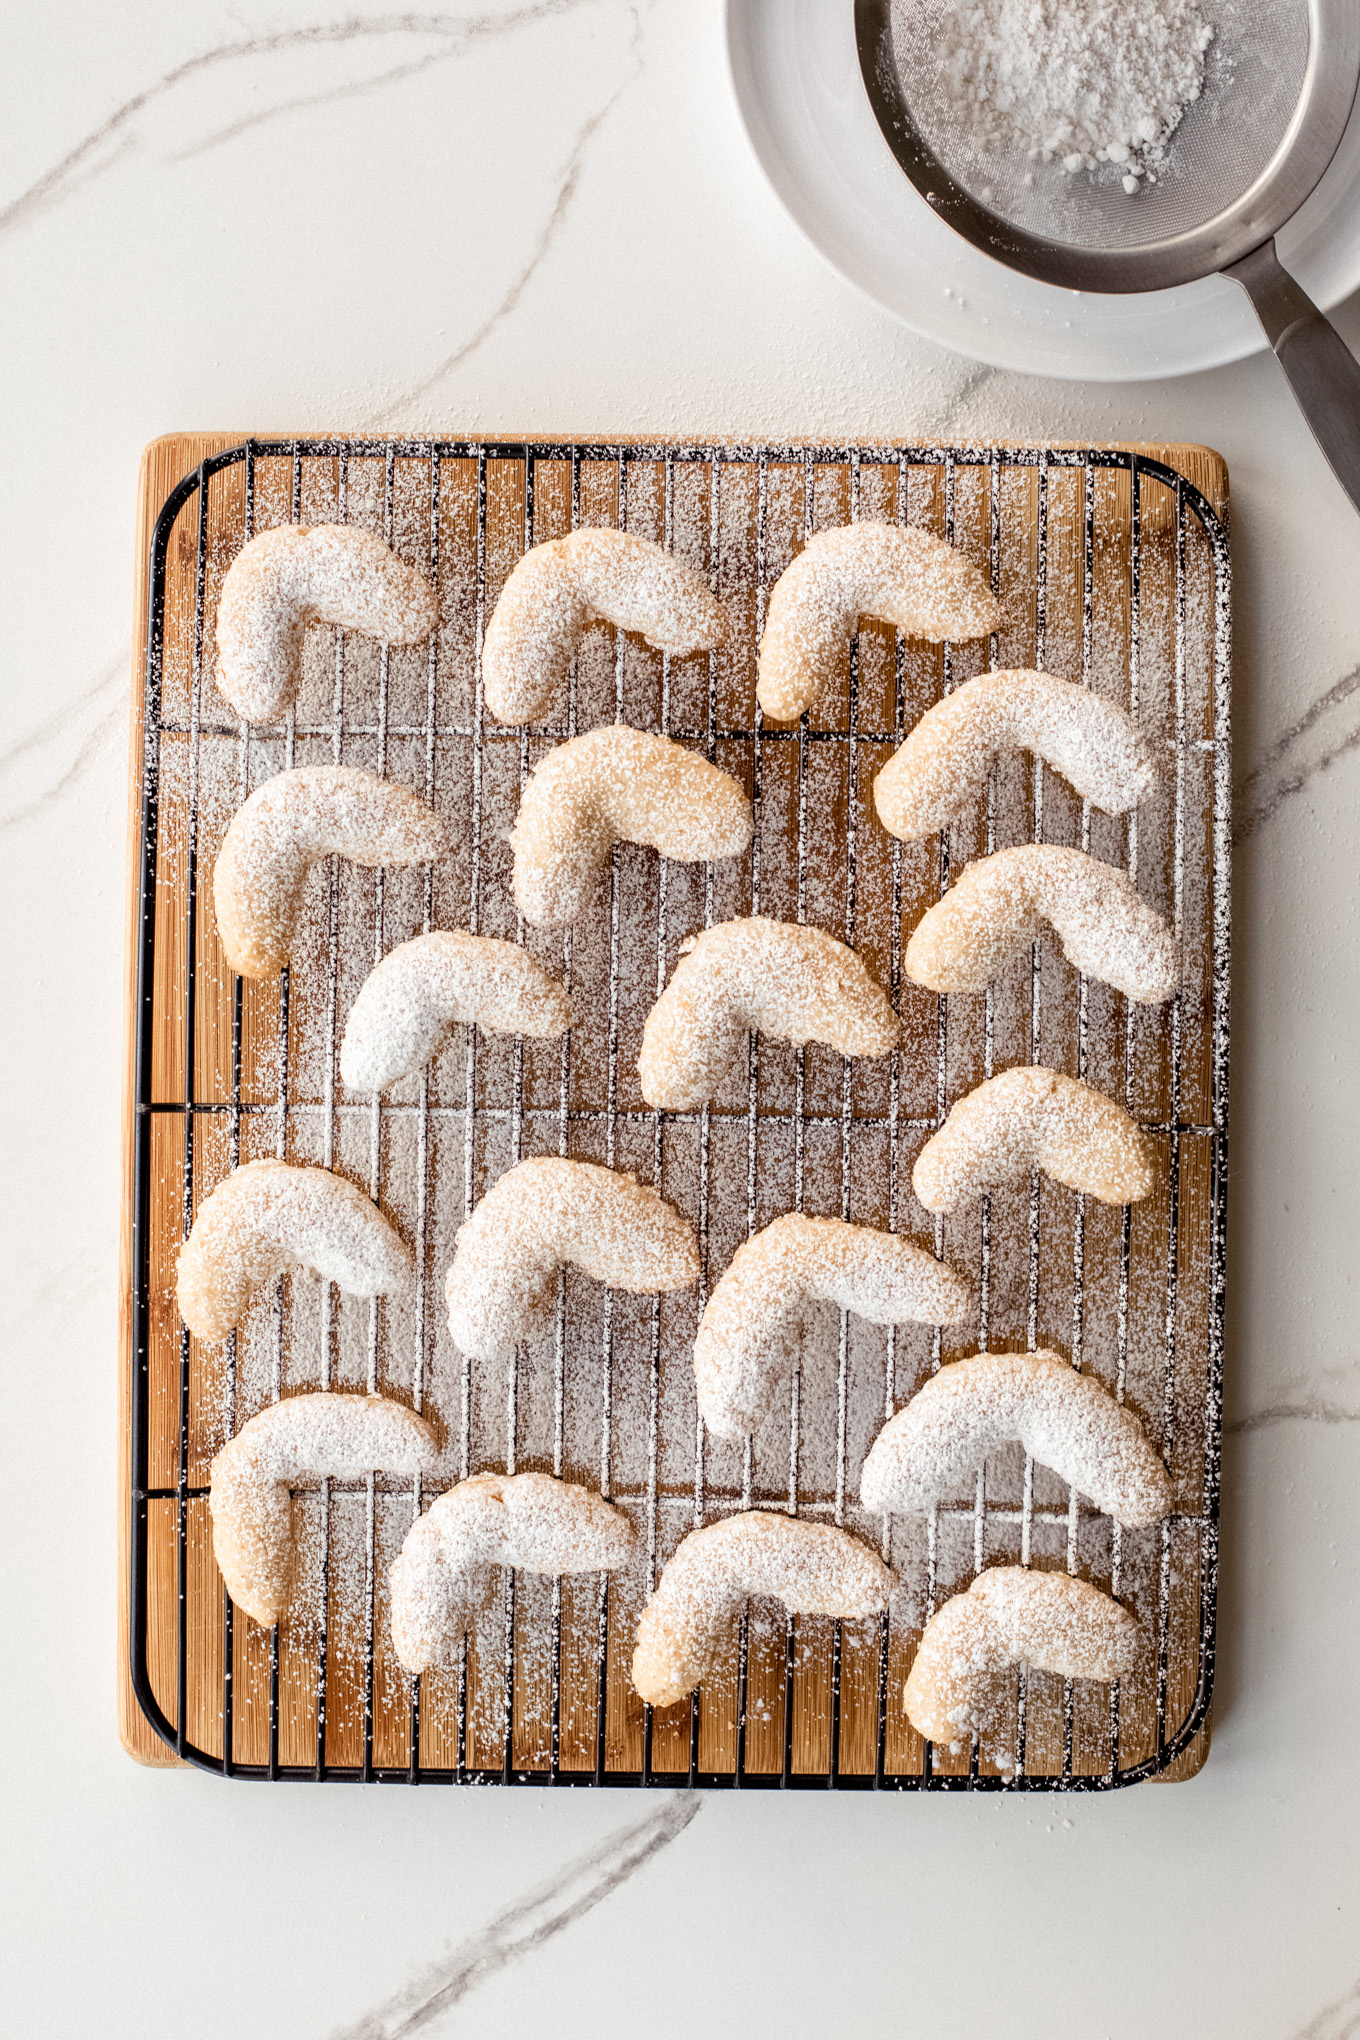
<point x="547" y="217"/>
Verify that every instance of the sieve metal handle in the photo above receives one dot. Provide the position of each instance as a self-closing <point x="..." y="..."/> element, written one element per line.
<point x="1323" y="373"/>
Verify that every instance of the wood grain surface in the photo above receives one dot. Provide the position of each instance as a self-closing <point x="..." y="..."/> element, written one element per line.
<point x="165" y="462"/>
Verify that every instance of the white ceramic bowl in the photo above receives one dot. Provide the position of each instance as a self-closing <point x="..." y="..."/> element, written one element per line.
<point x="795" y="72"/>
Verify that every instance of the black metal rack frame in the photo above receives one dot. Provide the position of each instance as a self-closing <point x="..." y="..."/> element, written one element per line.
<point x="1189" y="503"/>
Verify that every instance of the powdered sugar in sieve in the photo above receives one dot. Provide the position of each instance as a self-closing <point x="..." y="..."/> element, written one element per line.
<point x="1102" y="123"/>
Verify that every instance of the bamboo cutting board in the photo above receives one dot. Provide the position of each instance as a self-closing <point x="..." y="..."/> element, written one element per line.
<point x="1083" y="532"/>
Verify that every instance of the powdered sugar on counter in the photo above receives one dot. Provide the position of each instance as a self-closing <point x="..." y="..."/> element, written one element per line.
<point x="1080" y="82"/>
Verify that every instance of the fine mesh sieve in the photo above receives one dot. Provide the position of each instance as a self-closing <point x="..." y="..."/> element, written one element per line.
<point x="1279" y="85"/>
<point x="1253" y="79"/>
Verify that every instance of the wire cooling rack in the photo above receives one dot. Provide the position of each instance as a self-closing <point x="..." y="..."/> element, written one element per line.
<point x="1112" y="567"/>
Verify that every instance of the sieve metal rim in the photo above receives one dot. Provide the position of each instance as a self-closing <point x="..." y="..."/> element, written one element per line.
<point x="1308" y="145"/>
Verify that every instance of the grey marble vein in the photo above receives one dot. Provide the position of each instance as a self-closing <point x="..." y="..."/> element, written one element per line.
<point x="979" y="375"/>
<point x="527" y="1925"/>
<point x="357" y="88"/>
<point x="1328" y="729"/>
<point x="1293" y="1413"/>
<point x="84" y="161"/>
<point x="1339" y="2021"/>
<point x="562" y="203"/>
<point x="70" y="733"/>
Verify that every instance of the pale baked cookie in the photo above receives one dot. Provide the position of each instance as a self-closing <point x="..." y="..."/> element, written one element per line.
<point x="618" y="785"/>
<point x="811" y="1567"/>
<point x="267" y="1216"/>
<point x="973" y="1407"/>
<point x="1001" y="903"/>
<point x="896" y="573"/>
<point x="546" y="1212"/>
<point x="560" y="587"/>
<point x="300" y="574"/>
<point x="773" y="977"/>
<point x="422" y="988"/>
<point x="751" y="1329"/>
<point x="333" y="1436"/>
<point x="287" y="824"/>
<point x="962" y="1681"/>
<point x="442" y="1575"/>
<point x="1034" y="1118"/>
<point x="943" y="767"/>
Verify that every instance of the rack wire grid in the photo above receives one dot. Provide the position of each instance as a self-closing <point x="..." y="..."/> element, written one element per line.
<point x="1112" y="568"/>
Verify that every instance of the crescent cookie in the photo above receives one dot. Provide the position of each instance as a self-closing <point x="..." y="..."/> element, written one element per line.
<point x="775" y="977"/>
<point x="267" y="1216"/>
<point x="1034" y="1118"/>
<point x="749" y="1335"/>
<point x="618" y="785"/>
<point x="442" y="1573"/>
<point x="546" y="1212"/>
<point x="894" y="572"/>
<point x="287" y="824"/>
<point x="300" y="574"/>
<point x="333" y="1436"/>
<point x="973" y="1407"/>
<point x="811" y="1567"/>
<point x="960" y="1681"/>
<point x="1001" y="903"/>
<point x="422" y="988"/>
<point x="944" y="765"/>
<point x="560" y="587"/>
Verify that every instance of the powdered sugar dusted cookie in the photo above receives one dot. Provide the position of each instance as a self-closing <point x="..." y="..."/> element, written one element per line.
<point x="422" y="988"/>
<point x="300" y="574"/>
<point x="589" y="576"/>
<point x="973" y="1407"/>
<point x="751" y="1329"/>
<point x="287" y="824"/>
<point x="1001" y="903"/>
<point x="442" y="1574"/>
<point x="617" y="785"/>
<point x="546" y="1212"/>
<point x="268" y="1216"/>
<point x="812" y="1568"/>
<point x="1034" y="1118"/>
<point x="962" y="1681"/>
<point x="332" y="1436"/>
<point x="896" y="573"/>
<point x="775" y="977"/>
<point x="943" y="767"/>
